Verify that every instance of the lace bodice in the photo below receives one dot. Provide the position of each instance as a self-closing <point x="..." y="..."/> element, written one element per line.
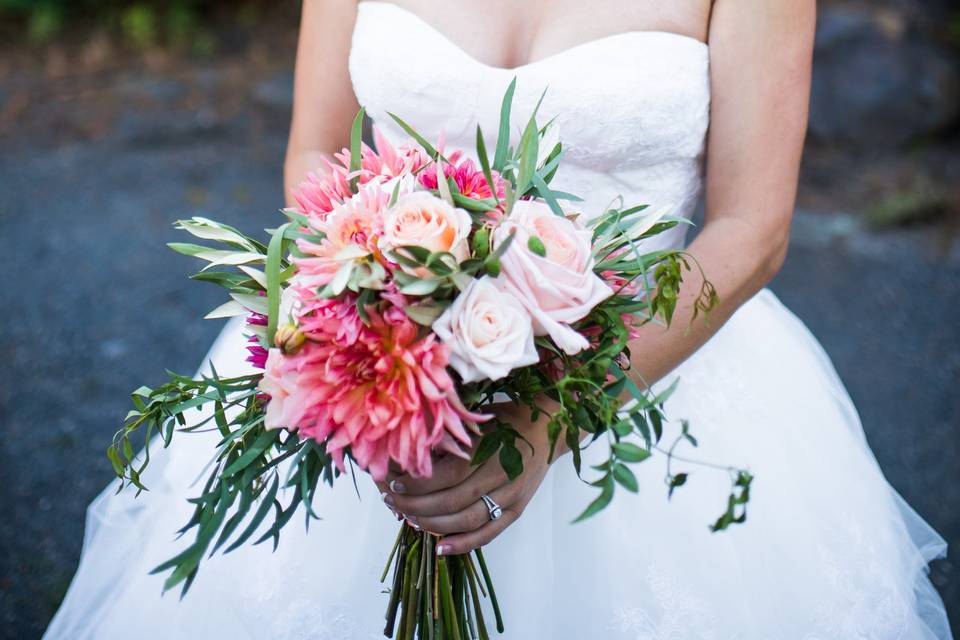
<point x="633" y="108"/>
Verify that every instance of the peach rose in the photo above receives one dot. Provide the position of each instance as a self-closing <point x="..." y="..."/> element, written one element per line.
<point x="421" y="219"/>
<point x="558" y="288"/>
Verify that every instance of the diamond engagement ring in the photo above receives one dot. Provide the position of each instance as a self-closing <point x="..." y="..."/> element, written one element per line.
<point x="492" y="507"/>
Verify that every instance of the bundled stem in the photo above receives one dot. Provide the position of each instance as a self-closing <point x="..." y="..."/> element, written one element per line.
<point x="436" y="598"/>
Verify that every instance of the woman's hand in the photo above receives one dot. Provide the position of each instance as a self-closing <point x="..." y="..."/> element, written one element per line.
<point x="449" y="502"/>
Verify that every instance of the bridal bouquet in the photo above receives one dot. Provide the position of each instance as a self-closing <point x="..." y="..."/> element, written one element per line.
<point x="407" y="290"/>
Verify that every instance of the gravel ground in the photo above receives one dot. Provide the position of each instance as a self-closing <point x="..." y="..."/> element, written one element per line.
<point x="99" y="306"/>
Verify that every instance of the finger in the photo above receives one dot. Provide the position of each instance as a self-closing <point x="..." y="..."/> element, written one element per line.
<point x="384" y="489"/>
<point x="447" y="471"/>
<point x="461" y="543"/>
<point x="472" y="517"/>
<point x="448" y="501"/>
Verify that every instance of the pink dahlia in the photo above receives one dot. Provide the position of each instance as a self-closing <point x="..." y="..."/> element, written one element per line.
<point x="350" y="231"/>
<point x="378" y="390"/>
<point x="321" y="192"/>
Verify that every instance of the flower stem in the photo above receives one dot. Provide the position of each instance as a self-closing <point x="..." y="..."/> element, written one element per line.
<point x="493" y="594"/>
<point x="435" y="598"/>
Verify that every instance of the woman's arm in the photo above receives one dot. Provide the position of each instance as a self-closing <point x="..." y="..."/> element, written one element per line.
<point x="760" y="76"/>
<point x="760" y="59"/>
<point x="324" y="104"/>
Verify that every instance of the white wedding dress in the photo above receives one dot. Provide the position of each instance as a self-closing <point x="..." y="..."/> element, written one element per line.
<point x="829" y="550"/>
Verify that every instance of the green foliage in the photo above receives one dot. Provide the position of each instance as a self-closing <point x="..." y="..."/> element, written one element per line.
<point x="245" y="469"/>
<point x="182" y="24"/>
<point x="45" y="23"/>
<point x="920" y="202"/>
<point x="138" y="23"/>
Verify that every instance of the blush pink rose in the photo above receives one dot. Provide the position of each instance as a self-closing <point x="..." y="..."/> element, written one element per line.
<point x="488" y="331"/>
<point x="559" y="288"/>
<point x="421" y="219"/>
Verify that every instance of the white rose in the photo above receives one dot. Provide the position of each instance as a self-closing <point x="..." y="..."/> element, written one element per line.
<point x="488" y="331"/>
<point x="558" y="288"/>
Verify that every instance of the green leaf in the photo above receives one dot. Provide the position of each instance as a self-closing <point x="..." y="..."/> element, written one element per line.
<point x="547" y="194"/>
<point x="283" y="517"/>
<point x="511" y="460"/>
<point x="251" y="302"/>
<point x="622" y="428"/>
<point x="666" y="393"/>
<point x="420" y="287"/>
<point x="356" y="147"/>
<point x="118" y="467"/>
<point x="629" y="452"/>
<point x="274" y="250"/>
<point x="340" y="280"/>
<point x="488" y="446"/>
<point x="573" y="443"/>
<point x="263" y="442"/>
<point x="485" y="164"/>
<point x="625" y="477"/>
<point x="424" y="314"/>
<point x="641" y="422"/>
<point x="429" y="148"/>
<point x="187" y="248"/>
<point x="261" y="513"/>
<point x="228" y="309"/>
<point x="503" y="134"/>
<point x="443" y="187"/>
<point x="395" y="194"/>
<point x="462" y="280"/>
<point x="529" y="142"/>
<point x="210" y="230"/>
<point x="476" y="205"/>
<point x="601" y="502"/>
<point x="418" y="254"/>
<point x="656" y="420"/>
<point x="615" y="389"/>
<point x="676" y="481"/>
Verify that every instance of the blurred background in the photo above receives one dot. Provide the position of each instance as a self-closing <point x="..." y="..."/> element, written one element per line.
<point x="118" y="117"/>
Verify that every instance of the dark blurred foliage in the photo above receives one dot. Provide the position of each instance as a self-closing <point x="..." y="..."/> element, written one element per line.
<point x="140" y="24"/>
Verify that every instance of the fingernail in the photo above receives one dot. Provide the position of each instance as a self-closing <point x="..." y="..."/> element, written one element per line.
<point x="387" y="499"/>
<point x="443" y="549"/>
<point x="397" y="487"/>
<point x="413" y="524"/>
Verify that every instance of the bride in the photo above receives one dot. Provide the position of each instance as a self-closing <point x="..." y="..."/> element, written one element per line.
<point x="829" y="551"/>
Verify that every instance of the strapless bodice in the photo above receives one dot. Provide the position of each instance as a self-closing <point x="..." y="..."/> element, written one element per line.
<point x="632" y="108"/>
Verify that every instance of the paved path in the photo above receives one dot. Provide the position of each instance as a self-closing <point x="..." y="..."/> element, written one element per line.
<point x="96" y="305"/>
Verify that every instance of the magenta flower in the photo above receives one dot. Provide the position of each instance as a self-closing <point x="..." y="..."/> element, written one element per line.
<point x="467" y="176"/>
<point x="258" y="355"/>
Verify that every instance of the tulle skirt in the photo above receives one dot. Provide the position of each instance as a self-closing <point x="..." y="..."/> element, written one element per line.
<point x="829" y="550"/>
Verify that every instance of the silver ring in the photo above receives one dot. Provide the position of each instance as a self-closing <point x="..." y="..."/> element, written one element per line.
<point x="492" y="507"/>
